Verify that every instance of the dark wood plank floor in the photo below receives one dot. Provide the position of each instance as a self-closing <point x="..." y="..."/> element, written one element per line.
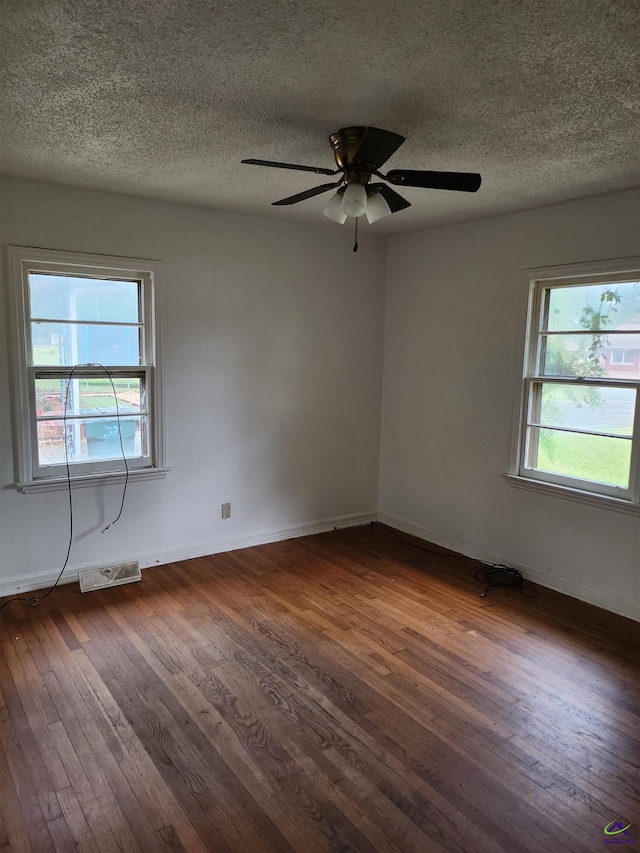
<point x="334" y="693"/>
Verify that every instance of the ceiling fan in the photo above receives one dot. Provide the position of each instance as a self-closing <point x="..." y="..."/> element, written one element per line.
<point x="359" y="153"/>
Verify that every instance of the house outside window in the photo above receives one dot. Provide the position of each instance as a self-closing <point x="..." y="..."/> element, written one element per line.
<point x="87" y="383"/>
<point x="622" y="355"/>
<point x="579" y="426"/>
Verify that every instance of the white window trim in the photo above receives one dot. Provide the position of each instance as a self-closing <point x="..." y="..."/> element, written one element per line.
<point x="546" y="485"/>
<point x="19" y="259"/>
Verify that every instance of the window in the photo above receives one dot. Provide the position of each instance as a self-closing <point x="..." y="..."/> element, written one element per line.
<point x="87" y="383"/>
<point x="580" y="417"/>
<point x="622" y="356"/>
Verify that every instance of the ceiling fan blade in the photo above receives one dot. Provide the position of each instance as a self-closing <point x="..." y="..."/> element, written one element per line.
<point x="319" y="170"/>
<point x="393" y="199"/>
<point x="376" y="146"/>
<point x="294" y="199"/>
<point x="468" y="182"/>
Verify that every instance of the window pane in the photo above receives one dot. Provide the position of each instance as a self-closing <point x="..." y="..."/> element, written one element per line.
<point x="88" y="396"/>
<point x="91" y="440"/>
<point x="587" y="408"/>
<point x="594" y="306"/>
<point x="72" y="343"/>
<point x="586" y="457"/>
<point x="58" y="297"/>
<point x="591" y="355"/>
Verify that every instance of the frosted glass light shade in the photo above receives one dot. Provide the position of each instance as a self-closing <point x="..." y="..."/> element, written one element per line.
<point x="334" y="209"/>
<point x="354" y="200"/>
<point x="377" y="207"/>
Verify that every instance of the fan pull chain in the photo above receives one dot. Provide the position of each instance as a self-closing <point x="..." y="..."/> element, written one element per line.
<point x="355" y="245"/>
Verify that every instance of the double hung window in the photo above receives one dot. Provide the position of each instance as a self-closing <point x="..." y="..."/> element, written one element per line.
<point x="87" y="372"/>
<point x="580" y="418"/>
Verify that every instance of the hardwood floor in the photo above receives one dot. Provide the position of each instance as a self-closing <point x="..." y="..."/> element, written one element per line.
<point x="339" y="692"/>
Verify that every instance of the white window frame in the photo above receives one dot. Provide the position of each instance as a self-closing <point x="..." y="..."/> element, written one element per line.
<point x="30" y="475"/>
<point x="585" y="491"/>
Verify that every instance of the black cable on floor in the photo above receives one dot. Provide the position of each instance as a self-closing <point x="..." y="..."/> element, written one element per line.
<point x="499" y="576"/>
<point x="491" y="574"/>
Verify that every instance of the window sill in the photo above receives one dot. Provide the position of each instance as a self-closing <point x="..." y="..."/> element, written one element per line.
<point x="578" y="495"/>
<point x="53" y="484"/>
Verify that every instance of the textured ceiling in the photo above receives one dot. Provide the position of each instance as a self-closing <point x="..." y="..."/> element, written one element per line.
<point x="163" y="98"/>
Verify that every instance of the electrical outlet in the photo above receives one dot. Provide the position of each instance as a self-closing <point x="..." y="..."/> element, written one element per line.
<point x="226" y="510"/>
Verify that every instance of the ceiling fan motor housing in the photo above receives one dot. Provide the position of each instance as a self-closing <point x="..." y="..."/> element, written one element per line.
<point x="345" y="143"/>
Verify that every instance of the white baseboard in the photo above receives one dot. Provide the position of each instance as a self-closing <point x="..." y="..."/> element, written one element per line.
<point x="19" y="585"/>
<point x="545" y="578"/>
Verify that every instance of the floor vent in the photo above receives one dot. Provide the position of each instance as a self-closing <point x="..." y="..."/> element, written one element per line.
<point x="109" y="576"/>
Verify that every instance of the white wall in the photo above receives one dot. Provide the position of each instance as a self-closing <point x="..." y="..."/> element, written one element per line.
<point x="456" y="303"/>
<point x="273" y="362"/>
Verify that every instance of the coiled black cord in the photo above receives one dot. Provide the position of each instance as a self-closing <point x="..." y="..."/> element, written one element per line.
<point x="498" y="575"/>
